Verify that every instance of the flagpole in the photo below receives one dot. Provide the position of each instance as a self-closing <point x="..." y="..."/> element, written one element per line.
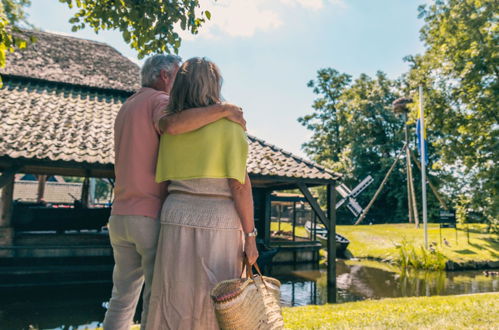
<point x="423" y="165"/>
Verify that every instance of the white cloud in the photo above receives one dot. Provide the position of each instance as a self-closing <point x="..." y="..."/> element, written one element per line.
<point x="310" y="4"/>
<point x="243" y="18"/>
<point x="236" y="18"/>
<point x="315" y="4"/>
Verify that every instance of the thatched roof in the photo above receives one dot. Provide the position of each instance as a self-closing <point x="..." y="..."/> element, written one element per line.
<point x="65" y="59"/>
<point x="53" y="123"/>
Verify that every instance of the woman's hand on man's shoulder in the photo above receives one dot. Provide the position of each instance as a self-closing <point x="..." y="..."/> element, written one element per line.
<point x="235" y="114"/>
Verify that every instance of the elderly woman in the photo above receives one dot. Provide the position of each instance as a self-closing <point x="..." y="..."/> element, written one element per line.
<point x="207" y="219"/>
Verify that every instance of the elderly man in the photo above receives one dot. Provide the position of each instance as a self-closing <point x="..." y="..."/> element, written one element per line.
<point x="134" y="225"/>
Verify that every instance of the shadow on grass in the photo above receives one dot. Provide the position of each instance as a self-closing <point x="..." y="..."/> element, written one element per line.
<point x="489" y="248"/>
<point x="473" y="229"/>
<point x="491" y="240"/>
<point x="465" y="251"/>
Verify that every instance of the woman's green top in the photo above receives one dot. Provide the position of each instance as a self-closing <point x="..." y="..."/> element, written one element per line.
<point x="217" y="150"/>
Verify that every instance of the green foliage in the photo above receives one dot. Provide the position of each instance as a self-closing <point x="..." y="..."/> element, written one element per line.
<point x="327" y="119"/>
<point x="459" y="71"/>
<point x="411" y="257"/>
<point x="356" y="133"/>
<point x="146" y="25"/>
<point x="103" y="190"/>
<point x="11" y="14"/>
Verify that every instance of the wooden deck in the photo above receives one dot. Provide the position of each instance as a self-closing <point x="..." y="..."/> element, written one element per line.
<point x="300" y="250"/>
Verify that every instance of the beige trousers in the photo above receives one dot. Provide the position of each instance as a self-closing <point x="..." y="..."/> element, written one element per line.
<point x="134" y="240"/>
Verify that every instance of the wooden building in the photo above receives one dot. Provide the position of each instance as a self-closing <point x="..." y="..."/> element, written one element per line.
<point x="57" y="109"/>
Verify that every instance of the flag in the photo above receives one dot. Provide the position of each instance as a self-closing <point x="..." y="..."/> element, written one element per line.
<point x="421" y="137"/>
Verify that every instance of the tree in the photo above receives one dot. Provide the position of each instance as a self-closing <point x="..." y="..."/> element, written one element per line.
<point x="11" y="14"/>
<point x="356" y="133"/>
<point x="459" y="71"/>
<point x="327" y="119"/>
<point x="460" y="75"/>
<point x="146" y="25"/>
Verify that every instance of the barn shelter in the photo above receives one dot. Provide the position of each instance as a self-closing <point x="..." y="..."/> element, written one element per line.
<point x="57" y="109"/>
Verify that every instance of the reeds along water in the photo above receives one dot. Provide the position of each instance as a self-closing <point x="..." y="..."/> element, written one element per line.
<point x="420" y="258"/>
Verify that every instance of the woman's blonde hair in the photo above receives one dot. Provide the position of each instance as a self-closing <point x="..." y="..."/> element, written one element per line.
<point x="198" y="84"/>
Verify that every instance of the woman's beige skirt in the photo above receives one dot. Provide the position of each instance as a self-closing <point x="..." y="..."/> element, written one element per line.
<point x="200" y="244"/>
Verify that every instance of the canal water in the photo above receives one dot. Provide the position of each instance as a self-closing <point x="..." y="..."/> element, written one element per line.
<point x="81" y="307"/>
<point x="372" y="280"/>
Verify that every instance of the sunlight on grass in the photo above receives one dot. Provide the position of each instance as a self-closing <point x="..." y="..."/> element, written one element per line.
<point x="478" y="311"/>
<point x="449" y="312"/>
<point x="384" y="241"/>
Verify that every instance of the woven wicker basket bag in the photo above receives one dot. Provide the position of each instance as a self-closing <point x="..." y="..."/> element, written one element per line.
<point x="248" y="303"/>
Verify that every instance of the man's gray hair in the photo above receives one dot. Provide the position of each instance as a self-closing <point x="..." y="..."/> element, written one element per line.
<point x="153" y="66"/>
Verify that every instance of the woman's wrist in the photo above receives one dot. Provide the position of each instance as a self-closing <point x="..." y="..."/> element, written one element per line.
<point x="252" y="233"/>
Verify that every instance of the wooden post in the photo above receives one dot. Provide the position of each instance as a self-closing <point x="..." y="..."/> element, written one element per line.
<point x="440" y="226"/>
<point x="409" y="198"/>
<point x="442" y="202"/>
<point x="6" y="203"/>
<point x="413" y="191"/>
<point x="315" y="227"/>
<point x="408" y="177"/>
<point x="259" y="196"/>
<point x="279" y="207"/>
<point x="294" y="221"/>
<point x="84" y="192"/>
<point x="267" y="208"/>
<point x="468" y="233"/>
<point x="6" y="230"/>
<point x="331" y="244"/>
<point x="329" y="221"/>
<point x="42" y="179"/>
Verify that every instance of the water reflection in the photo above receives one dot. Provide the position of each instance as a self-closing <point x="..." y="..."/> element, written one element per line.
<point x="358" y="281"/>
<point x="79" y="307"/>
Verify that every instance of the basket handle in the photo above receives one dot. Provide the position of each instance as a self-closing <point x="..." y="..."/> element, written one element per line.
<point x="249" y="270"/>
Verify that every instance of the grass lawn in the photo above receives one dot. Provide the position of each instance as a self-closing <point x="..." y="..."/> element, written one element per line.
<point x="450" y="312"/>
<point x="379" y="241"/>
<point x="478" y="311"/>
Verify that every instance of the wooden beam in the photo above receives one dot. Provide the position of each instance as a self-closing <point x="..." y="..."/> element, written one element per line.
<point x="8" y="174"/>
<point x="313" y="203"/>
<point x="275" y="186"/>
<point x="364" y="213"/>
<point x="284" y="179"/>
<point x="331" y="244"/>
<point x="288" y="199"/>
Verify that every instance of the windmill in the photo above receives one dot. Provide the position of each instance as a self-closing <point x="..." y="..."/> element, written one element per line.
<point x="349" y="195"/>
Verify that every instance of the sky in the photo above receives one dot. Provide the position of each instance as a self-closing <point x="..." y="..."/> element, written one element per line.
<point x="268" y="50"/>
